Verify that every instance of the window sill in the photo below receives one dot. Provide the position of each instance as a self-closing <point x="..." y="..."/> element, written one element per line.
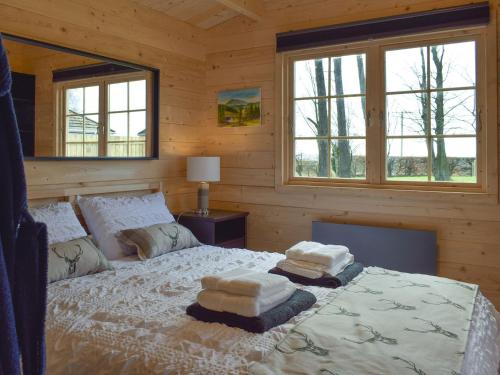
<point x="392" y="192"/>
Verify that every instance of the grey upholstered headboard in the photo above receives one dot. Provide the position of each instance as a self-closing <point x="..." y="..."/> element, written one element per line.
<point x="397" y="249"/>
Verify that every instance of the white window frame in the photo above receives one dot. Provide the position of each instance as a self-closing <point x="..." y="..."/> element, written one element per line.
<point x="102" y="82"/>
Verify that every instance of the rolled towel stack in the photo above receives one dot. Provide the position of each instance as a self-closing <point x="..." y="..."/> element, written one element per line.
<point x="312" y="263"/>
<point x="254" y="301"/>
<point x="314" y="260"/>
<point x="244" y="292"/>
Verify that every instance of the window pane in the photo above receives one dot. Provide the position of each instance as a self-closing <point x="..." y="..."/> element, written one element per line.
<point x="137" y="126"/>
<point x="137" y="95"/>
<point x="453" y="65"/>
<point x="137" y="149"/>
<point x="118" y="97"/>
<point x="117" y="149"/>
<point x="92" y="99"/>
<point x="406" y="114"/>
<point x="91" y="128"/>
<point x="454" y="160"/>
<point x="118" y="127"/>
<point x="407" y="160"/>
<point x="348" y="75"/>
<point x="454" y="112"/>
<point x="74" y="101"/>
<point x="91" y="149"/>
<point x="311" y="118"/>
<point x="349" y="158"/>
<point x="74" y="149"/>
<point x="406" y="69"/>
<point x="309" y="161"/>
<point x="348" y="117"/>
<point x="74" y="126"/>
<point x="311" y="78"/>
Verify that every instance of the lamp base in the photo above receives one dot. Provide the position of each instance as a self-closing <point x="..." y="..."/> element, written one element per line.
<point x="201" y="212"/>
<point x="203" y="199"/>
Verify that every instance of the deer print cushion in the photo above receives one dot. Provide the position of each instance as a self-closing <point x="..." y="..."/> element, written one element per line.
<point x="155" y="240"/>
<point x="105" y="217"/>
<point x="75" y="258"/>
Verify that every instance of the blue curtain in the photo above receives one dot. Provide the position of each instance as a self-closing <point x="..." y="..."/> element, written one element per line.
<point x="23" y="251"/>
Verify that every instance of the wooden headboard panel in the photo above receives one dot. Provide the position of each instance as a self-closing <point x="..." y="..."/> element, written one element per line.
<point x="41" y="195"/>
<point x="404" y="250"/>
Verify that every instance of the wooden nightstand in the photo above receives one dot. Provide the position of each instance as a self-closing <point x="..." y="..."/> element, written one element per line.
<point x="219" y="228"/>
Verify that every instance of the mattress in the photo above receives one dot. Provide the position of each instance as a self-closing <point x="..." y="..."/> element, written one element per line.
<point x="132" y="320"/>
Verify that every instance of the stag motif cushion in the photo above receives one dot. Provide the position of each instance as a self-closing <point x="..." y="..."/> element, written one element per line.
<point x="75" y="258"/>
<point x="155" y="240"/>
<point x="106" y="216"/>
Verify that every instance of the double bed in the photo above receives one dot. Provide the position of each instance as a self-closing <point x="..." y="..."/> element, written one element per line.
<point x="132" y="319"/>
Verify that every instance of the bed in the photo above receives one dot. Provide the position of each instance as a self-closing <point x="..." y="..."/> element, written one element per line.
<point x="132" y="320"/>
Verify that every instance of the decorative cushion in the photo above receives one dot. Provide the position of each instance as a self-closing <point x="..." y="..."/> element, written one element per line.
<point x="62" y="223"/>
<point x="155" y="240"/>
<point x="75" y="258"/>
<point x="105" y="217"/>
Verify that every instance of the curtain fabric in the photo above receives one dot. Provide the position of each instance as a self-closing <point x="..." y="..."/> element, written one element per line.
<point x="23" y="251"/>
<point x="469" y="15"/>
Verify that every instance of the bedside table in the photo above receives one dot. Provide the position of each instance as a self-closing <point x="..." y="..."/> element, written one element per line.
<point x="219" y="228"/>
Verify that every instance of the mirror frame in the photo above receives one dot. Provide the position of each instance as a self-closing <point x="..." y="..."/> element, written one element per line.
<point x="155" y="118"/>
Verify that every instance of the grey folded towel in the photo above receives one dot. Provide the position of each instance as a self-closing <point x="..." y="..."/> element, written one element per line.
<point x="299" y="301"/>
<point x="341" y="279"/>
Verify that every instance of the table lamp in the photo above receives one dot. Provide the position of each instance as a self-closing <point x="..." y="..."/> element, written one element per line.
<point x="203" y="169"/>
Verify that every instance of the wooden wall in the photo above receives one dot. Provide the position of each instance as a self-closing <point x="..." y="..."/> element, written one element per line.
<point x="41" y="62"/>
<point x="242" y="54"/>
<point x="124" y="30"/>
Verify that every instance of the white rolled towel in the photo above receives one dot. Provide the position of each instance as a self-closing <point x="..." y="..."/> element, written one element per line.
<point x="315" y="252"/>
<point x="245" y="282"/>
<point x="243" y="305"/>
<point x="314" y="270"/>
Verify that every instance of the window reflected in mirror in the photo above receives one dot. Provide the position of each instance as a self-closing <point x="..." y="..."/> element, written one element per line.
<point x="71" y="105"/>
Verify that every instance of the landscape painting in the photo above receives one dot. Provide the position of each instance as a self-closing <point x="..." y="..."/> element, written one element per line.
<point x="239" y="107"/>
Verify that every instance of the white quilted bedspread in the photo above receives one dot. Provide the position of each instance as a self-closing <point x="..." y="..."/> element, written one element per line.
<point x="132" y="320"/>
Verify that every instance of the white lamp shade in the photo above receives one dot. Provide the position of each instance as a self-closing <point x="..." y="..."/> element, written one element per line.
<point x="203" y="168"/>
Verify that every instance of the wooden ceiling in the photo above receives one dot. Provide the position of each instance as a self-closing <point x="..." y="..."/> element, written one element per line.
<point x="206" y="13"/>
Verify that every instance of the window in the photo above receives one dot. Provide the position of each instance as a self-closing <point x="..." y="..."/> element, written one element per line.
<point x="396" y="112"/>
<point x="82" y="121"/>
<point x="127" y="118"/>
<point x="105" y="117"/>
<point x="329" y="117"/>
<point x="430" y="95"/>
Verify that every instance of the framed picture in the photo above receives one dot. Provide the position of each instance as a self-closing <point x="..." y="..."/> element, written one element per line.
<point x="239" y="107"/>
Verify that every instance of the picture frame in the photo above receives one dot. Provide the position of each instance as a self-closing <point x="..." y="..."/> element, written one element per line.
<point x="240" y="107"/>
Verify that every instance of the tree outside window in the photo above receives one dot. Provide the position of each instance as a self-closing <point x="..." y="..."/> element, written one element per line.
<point x="329" y="113"/>
<point x="430" y="115"/>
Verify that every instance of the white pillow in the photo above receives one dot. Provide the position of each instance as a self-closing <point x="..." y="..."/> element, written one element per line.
<point x="62" y="223"/>
<point x="105" y="217"/>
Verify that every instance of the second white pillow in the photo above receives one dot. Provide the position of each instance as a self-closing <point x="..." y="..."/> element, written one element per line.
<point x="105" y="217"/>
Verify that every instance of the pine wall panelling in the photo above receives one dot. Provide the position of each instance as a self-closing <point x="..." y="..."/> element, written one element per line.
<point x="125" y="31"/>
<point x="195" y="64"/>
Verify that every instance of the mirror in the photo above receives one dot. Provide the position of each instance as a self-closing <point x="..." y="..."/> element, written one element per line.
<point x="75" y="105"/>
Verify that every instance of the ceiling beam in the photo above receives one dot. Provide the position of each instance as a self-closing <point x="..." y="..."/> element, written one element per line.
<point x="250" y="8"/>
<point x="203" y="16"/>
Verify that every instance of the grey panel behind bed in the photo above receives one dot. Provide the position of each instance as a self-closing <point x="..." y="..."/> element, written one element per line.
<point x="403" y="250"/>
